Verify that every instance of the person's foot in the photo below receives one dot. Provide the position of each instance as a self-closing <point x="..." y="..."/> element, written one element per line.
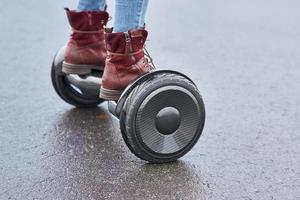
<point x="86" y="48"/>
<point x="125" y="62"/>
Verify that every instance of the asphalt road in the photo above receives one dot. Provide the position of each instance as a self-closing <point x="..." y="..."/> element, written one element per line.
<point x="244" y="57"/>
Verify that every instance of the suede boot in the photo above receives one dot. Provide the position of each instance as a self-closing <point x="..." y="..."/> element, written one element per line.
<point x="86" y="48"/>
<point x="124" y="63"/>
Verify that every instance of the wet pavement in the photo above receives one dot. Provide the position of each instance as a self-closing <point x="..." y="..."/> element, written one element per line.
<point x="243" y="55"/>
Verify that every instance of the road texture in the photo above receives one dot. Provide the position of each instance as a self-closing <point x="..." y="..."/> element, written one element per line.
<point x="244" y="55"/>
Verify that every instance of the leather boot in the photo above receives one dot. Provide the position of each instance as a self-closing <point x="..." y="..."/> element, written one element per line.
<point x="86" y="48"/>
<point x="124" y="63"/>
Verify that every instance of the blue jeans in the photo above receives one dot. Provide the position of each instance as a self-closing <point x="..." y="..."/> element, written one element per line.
<point x="129" y="14"/>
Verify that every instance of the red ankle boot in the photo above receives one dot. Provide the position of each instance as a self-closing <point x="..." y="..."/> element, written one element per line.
<point x="124" y="63"/>
<point x="86" y="48"/>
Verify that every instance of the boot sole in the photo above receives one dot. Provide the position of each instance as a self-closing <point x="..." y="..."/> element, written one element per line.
<point x="108" y="94"/>
<point x="69" y="68"/>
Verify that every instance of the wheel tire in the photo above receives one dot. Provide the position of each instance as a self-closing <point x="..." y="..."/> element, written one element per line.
<point x="66" y="92"/>
<point x="131" y="112"/>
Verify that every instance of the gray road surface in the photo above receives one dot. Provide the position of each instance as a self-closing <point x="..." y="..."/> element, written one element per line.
<point x="243" y="54"/>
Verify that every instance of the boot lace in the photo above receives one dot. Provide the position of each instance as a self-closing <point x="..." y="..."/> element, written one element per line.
<point x="149" y="59"/>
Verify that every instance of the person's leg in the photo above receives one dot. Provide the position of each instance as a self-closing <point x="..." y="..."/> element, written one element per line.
<point x="143" y="14"/>
<point x="92" y="5"/>
<point x="129" y="14"/>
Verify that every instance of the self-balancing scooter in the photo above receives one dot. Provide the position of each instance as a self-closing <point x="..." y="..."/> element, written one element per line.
<point x="161" y="114"/>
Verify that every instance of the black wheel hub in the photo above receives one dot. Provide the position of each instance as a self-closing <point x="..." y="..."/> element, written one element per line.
<point x="167" y="120"/>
